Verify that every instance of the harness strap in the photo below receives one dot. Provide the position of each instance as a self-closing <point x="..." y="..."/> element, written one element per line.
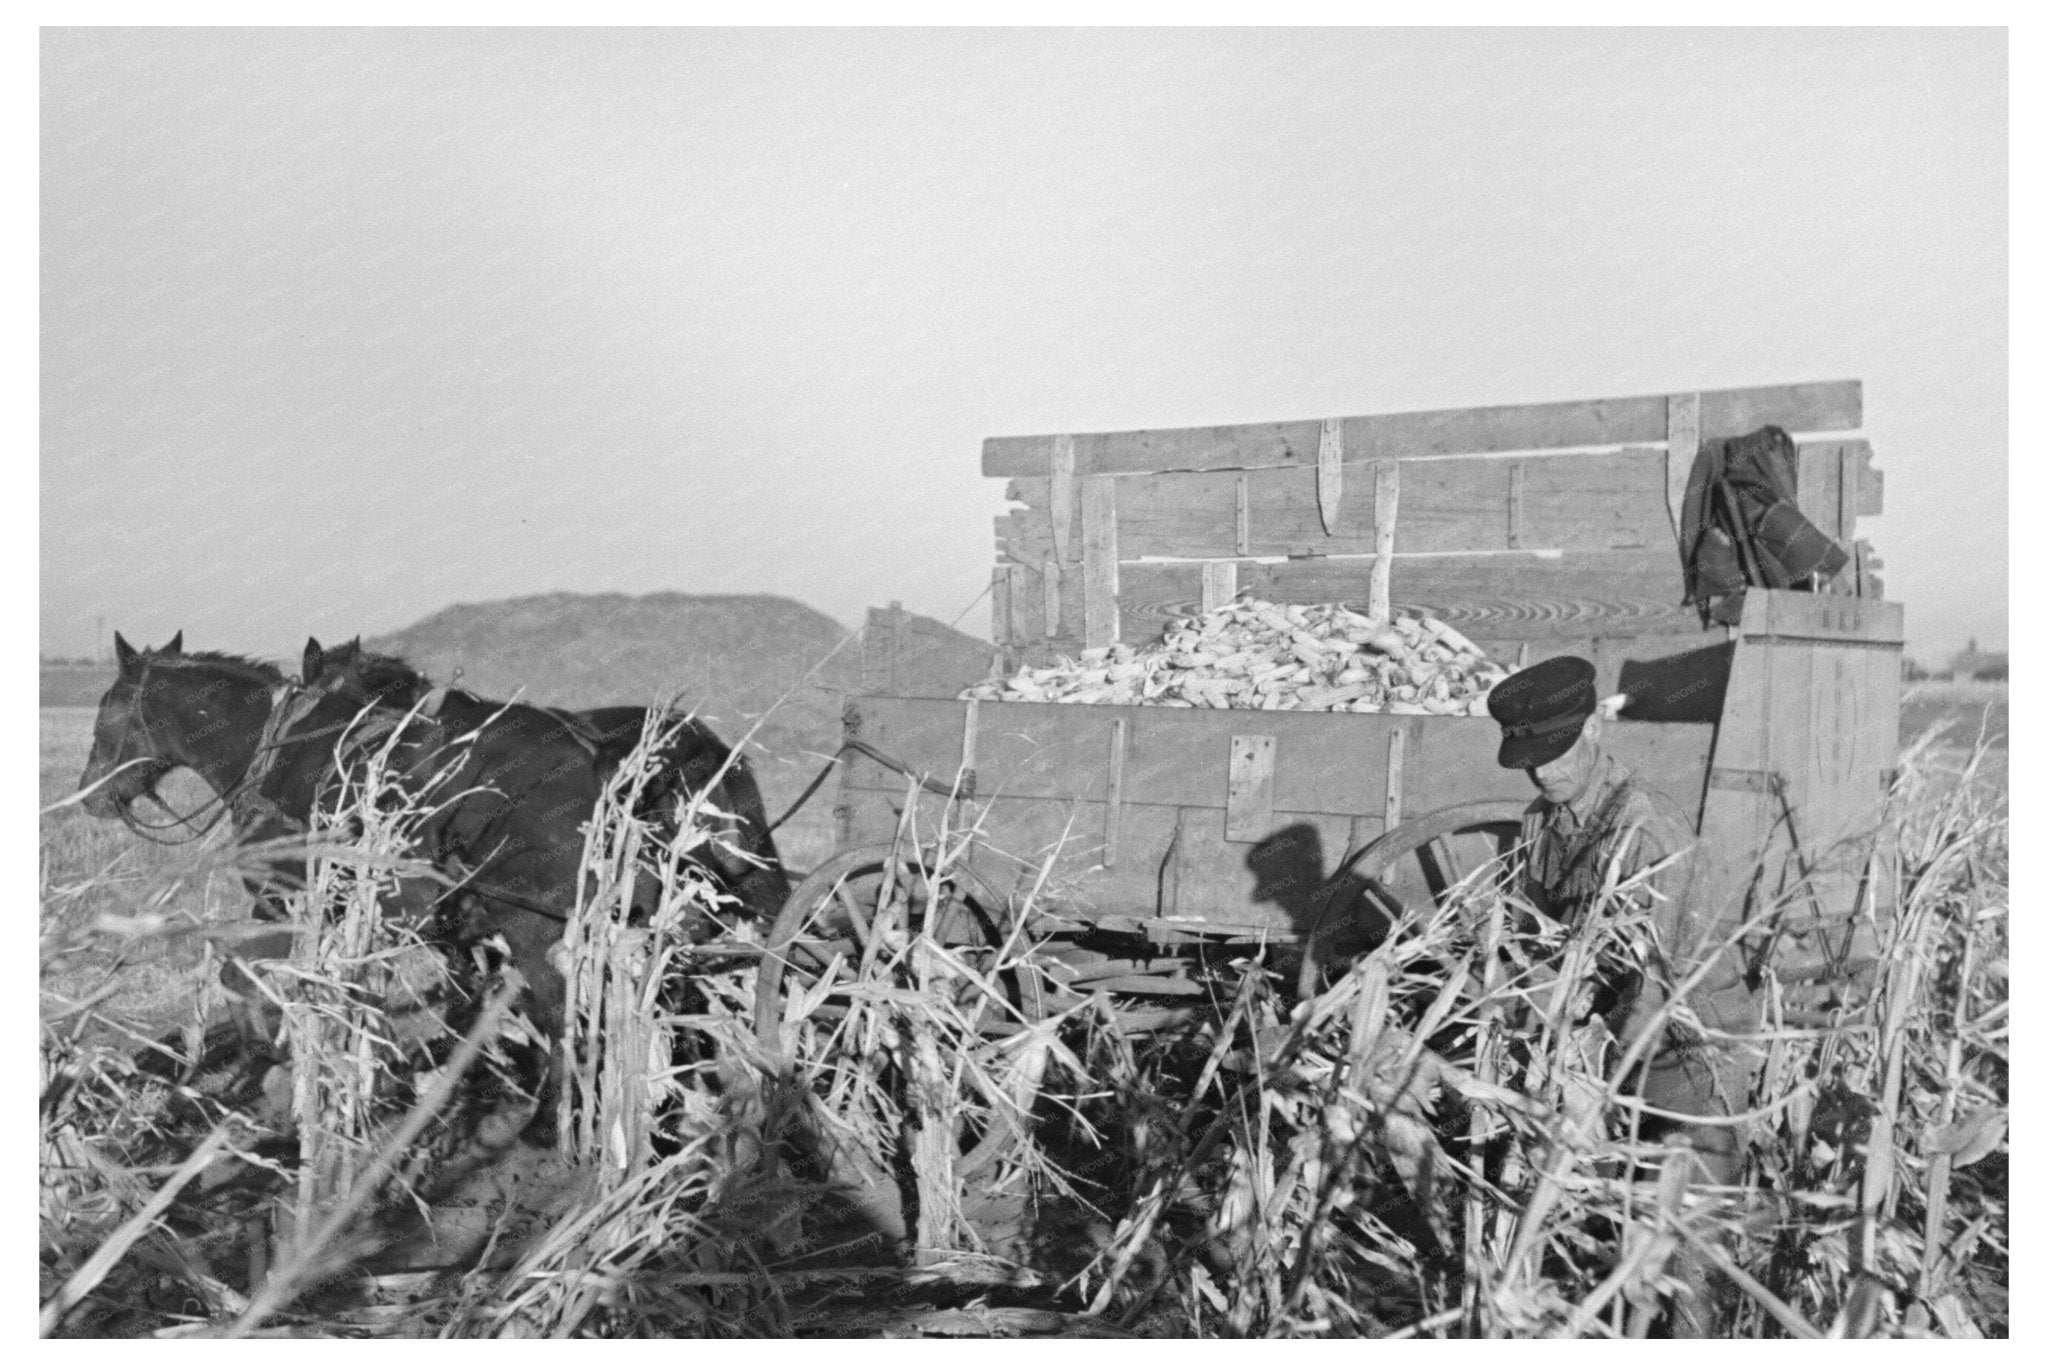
<point x="859" y="747"/>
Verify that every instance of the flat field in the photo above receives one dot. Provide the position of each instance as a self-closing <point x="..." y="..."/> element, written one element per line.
<point x="97" y="875"/>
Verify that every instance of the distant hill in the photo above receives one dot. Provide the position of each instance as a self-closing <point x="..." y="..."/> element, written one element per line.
<point x="732" y="656"/>
<point x="733" y="659"/>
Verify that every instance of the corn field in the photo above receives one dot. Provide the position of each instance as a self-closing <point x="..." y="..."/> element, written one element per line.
<point x="917" y="1143"/>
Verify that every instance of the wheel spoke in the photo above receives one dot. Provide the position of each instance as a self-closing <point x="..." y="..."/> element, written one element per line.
<point x="844" y="897"/>
<point x="1444" y="853"/>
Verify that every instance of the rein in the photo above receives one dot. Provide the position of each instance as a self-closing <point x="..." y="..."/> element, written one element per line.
<point x="870" y="751"/>
<point x="288" y="702"/>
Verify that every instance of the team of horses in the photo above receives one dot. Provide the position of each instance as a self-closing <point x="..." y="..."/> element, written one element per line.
<point x="505" y="789"/>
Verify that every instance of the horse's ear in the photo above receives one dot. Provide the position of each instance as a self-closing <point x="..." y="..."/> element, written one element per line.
<point x="309" y="663"/>
<point x="125" y="655"/>
<point x="177" y="644"/>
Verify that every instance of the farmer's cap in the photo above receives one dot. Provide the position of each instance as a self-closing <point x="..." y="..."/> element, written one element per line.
<point x="1541" y="710"/>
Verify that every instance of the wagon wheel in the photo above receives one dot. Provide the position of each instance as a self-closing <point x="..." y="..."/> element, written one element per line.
<point x="1407" y="869"/>
<point x="849" y="960"/>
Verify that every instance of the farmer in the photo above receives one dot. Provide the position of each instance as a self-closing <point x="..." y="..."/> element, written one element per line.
<point x="1592" y="812"/>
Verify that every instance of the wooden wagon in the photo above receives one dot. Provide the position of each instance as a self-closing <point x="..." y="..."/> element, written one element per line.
<point x="1535" y="531"/>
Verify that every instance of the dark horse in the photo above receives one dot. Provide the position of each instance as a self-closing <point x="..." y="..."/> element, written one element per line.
<point x="690" y="763"/>
<point x="512" y="785"/>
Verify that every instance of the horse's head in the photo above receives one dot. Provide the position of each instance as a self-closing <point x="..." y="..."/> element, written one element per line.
<point x="169" y="709"/>
<point x="351" y="672"/>
<point x="331" y="670"/>
<point x="132" y="743"/>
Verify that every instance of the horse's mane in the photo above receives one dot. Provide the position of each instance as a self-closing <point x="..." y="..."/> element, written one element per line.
<point x="386" y="673"/>
<point x="240" y="665"/>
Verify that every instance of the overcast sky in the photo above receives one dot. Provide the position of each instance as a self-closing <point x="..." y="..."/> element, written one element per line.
<point x="339" y="327"/>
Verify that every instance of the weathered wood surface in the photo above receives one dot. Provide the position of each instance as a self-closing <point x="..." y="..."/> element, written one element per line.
<point x="1332" y="763"/>
<point x="1681" y="449"/>
<point x="1813" y="616"/>
<point x="1386" y="520"/>
<point x="1597" y="501"/>
<point x="1172" y="756"/>
<point x="909" y="655"/>
<point x="1170" y="844"/>
<point x="1060" y="495"/>
<point x="1099" y="552"/>
<point x="1837" y="484"/>
<point x="1001" y="608"/>
<point x="1808" y="731"/>
<point x="1491" y="597"/>
<point x="1330" y="475"/>
<point x="1828" y="406"/>
<point x="1248" y="805"/>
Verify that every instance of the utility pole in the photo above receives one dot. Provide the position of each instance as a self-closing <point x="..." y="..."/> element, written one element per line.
<point x="99" y="640"/>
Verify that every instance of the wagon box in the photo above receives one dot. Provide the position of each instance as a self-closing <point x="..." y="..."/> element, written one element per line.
<point x="1183" y="819"/>
<point x="1535" y="531"/>
<point x="1137" y="837"/>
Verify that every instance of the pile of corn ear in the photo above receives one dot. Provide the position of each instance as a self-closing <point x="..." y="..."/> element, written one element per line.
<point x="1262" y="656"/>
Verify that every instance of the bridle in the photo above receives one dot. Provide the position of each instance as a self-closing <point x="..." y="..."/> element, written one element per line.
<point x="289" y="701"/>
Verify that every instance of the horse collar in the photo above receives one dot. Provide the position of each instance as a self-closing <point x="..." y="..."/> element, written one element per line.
<point x="288" y="702"/>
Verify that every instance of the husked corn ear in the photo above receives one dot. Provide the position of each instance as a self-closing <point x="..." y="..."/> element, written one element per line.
<point x="1267" y="656"/>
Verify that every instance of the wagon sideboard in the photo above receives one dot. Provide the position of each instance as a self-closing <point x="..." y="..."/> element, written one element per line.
<point x="1535" y="531"/>
<point x="1222" y="819"/>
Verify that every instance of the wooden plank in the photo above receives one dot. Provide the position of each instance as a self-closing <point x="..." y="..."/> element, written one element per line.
<point x="1848" y="474"/>
<point x="1246" y="446"/>
<point x="999" y="605"/>
<point x="1027" y="607"/>
<point x="1042" y="752"/>
<point x="1869" y="485"/>
<point x="1495" y="597"/>
<point x="1179" y="861"/>
<point x="1060" y="494"/>
<point x="1591" y="502"/>
<point x="1828" y="406"/>
<point x="1820" y="488"/>
<point x="1268" y="885"/>
<point x="1118" y="729"/>
<point x="1681" y="448"/>
<point x="1248" y="814"/>
<point x="903" y="654"/>
<point x="1386" y="512"/>
<point x="1869" y="585"/>
<point x="1173" y="863"/>
<point x="898" y="628"/>
<point x="1330" y="475"/>
<point x="1098" y="561"/>
<point x="1397" y="743"/>
<point x="1458" y="762"/>
<point x="1219" y="583"/>
<point x="1024" y="534"/>
<point x="1172" y="755"/>
<point x="1809" y="729"/>
<point x="970" y="728"/>
<point x="1050" y="575"/>
<point x="1810" y="616"/>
